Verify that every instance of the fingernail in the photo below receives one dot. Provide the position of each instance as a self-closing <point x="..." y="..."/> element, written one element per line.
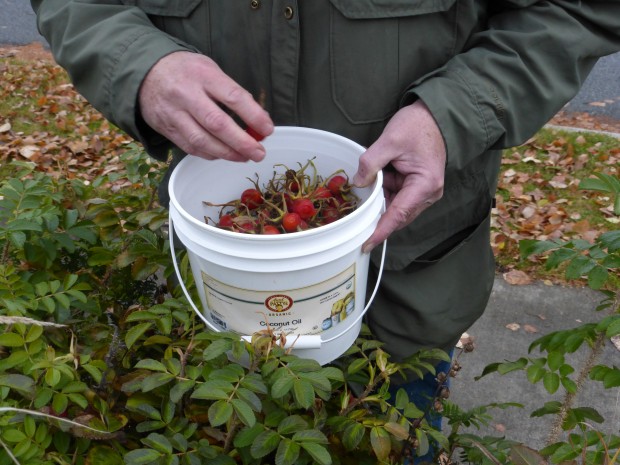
<point x="258" y="154"/>
<point x="357" y="181"/>
<point x="367" y="248"/>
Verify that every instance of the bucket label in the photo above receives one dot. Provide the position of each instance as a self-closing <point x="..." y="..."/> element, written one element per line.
<point x="308" y="310"/>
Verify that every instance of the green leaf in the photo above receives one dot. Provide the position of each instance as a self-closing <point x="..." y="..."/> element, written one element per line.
<point x="19" y="383"/>
<point x="597" y="277"/>
<point x="357" y="365"/>
<point x="100" y="454"/>
<point x="550" y="408"/>
<point x="535" y="373"/>
<point x="158" y="442"/>
<point x="318" y="453"/>
<point x="60" y="402"/>
<point x="303" y="364"/>
<point x="402" y="399"/>
<point x="246" y="436"/>
<point x="551" y="381"/>
<point x="254" y="383"/>
<point x="220" y="412"/>
<point x="287" y="453"/>
<point x="397" y="430"/>
<point x="217" y="348"/>
<point x="11" y="340"/>
<point x="264" y="443"/>
<point x="250" y="398"/>
<point x="353" y="435"/>
<point x="13" y="435"/>
<point x="555" y="360"/>
<point x="579" y="266"/>
<point x="180" y="388"/>
<point x="155" y="381"/>
<point x="423" y="444"/>
<point x="310" y="435"/>
<point x="150" y="364"/>
<point x="303" y="393"/>
<point x="380" y="442"/>
<point x="282" y="386"/>
<point x="141" y="456"/>
<point x="529" y="247"/>
<point x="244" y="412"/>
<point x="213" y="390"/>
<point x="136" y="333"/>
<point x="292" y="424"/>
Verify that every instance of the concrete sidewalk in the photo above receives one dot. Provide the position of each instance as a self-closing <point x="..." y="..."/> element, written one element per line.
<point x="544" y="309"/>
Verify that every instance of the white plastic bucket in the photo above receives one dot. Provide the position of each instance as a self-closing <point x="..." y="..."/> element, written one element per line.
<point x="287" y="282"/>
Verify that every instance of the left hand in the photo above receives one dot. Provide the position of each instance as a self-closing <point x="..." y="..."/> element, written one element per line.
<point x="413" y="144"/>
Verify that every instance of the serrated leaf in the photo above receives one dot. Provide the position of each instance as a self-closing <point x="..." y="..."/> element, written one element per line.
<point x="219" y="412"/>
<point x="357" y="365"/>
<point x="303" y="393"/>
<point x="551" y="381"/>
<point x="287" y="453"/>
<point x="380" y="442"/>
<point x="318" y="453"/>
<point x="135" y="333"/>
<point x="292" y="424"/>
<point x="353" y="435"/>
<point x="397" y="430"/>
<point x="597" y="277"/>
<point x="180" y="388"/>
<point x="216" y="348"/>
<point x="150" y="364"/>
<point x="155" y="381"/>
<point x="141" y="456"/>
<point x="250" y="398"/>
<point x="158" y="442"/>
<point x="264" y="443"/>
<point x="244" y="412"/>
<point x="282" y="386"/>
<point x="246" y="436"/>
<point x="310" y="435"/>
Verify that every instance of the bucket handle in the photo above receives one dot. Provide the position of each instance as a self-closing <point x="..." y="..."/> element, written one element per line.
<point x="302" y="341"/>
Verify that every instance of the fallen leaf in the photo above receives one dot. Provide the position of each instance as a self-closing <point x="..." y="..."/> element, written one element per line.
<point x="28" y="151"/>
<point x="517" y="278"/>
<point x="530" y="329"/>
<point x="6" y="127"/>
<point x="499" y="428"/>
<point x="597" y="104"/>
<point x="513" y="326"/>
<point x="615" y="340"/>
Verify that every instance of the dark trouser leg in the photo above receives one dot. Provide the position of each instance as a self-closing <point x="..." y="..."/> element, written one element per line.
<point x="429" y="305"/>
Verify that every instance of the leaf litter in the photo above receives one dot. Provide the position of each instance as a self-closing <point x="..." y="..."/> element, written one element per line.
<point x="46" y="121"/>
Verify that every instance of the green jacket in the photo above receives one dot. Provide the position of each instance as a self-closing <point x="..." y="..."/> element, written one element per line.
<point x="491" y="72"/>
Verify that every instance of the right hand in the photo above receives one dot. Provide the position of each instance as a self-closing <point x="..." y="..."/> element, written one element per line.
<point x="180" y="98"/>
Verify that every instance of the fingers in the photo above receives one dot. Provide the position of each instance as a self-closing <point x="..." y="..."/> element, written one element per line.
<point x="406" y="198"/>
<point x="182" y="98"/>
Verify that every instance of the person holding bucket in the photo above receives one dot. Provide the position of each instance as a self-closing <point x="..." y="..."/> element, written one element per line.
<point x="434" y="89"/>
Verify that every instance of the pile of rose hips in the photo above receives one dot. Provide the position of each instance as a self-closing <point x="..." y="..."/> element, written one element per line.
<point x="290" y="202"/>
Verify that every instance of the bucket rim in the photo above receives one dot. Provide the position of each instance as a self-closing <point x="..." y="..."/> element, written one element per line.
<point x="376" y="186"/>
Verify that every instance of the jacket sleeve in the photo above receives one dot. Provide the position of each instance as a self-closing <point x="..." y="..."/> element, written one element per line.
<point x="514" y="75"/>
<point x="107" y="48"/>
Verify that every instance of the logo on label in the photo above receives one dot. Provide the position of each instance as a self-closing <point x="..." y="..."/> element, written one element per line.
<point x="278" y="303"/>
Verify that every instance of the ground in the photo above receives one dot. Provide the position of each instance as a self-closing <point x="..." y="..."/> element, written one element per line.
<point x="576" y="120"/>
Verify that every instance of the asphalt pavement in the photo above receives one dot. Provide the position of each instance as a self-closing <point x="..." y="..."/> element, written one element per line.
<point x="516" y="315"/>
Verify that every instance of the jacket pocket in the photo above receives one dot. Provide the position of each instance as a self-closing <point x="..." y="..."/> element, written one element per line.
<point x="171" y="8"/>
<point x="377" y="49"/>
<point x="444" y="227"/>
